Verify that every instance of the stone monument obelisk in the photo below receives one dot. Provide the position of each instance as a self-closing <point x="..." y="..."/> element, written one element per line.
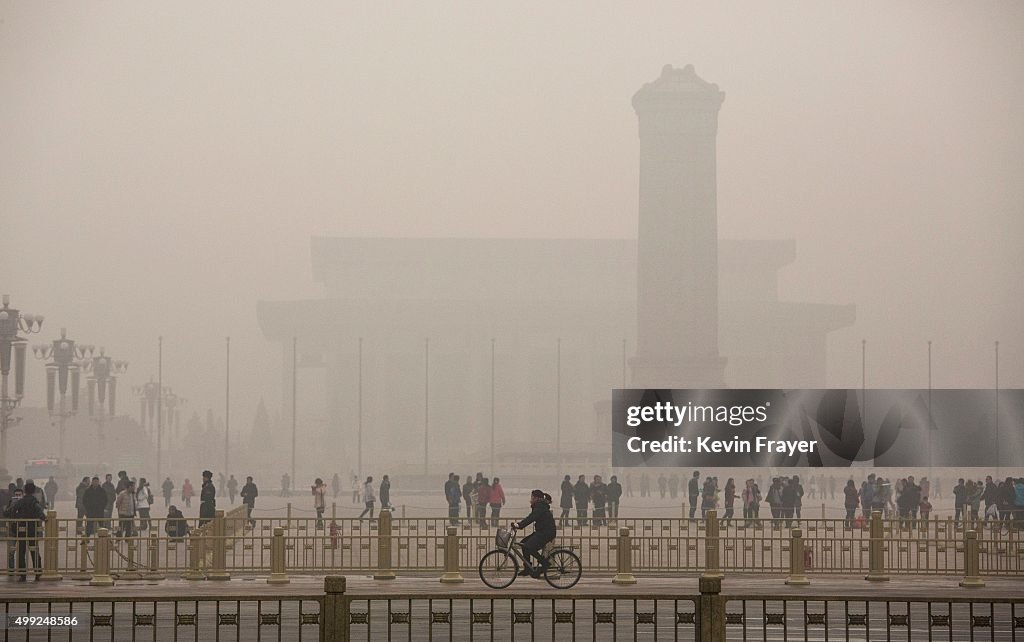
<point x="677" y="288"/>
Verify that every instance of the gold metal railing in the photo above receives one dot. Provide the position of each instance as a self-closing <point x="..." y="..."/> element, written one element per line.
<point x="231" y="544"/>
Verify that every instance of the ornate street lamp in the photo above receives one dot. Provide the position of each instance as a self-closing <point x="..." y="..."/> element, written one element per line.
<point x="13" y="345"/>
<point x="147" y="395"/>
<point x="63" y="369"/>
<point x="102" y="384"/>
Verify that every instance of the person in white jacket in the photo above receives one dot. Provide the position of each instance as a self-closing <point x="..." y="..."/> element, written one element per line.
<point x="368" y="497"/>
<point x="143" y="500"/>
<point x="125" y="506"/>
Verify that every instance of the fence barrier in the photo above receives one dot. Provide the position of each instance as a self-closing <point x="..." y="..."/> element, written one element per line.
<point x="386" y="545"/>
<point x="337" y="614"/>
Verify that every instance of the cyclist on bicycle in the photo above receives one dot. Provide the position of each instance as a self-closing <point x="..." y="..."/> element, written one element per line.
<point x="543" y="532"/>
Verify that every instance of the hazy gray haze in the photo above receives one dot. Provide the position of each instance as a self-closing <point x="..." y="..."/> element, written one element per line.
<point x="164" y="165"/>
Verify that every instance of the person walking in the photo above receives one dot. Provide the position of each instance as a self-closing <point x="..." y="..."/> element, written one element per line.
<point x="221" y="484"/>
<point x="187" y="492"/>
<point x="614" y="495"/>
<point x="336" y="485"/>
<point x="143" y="501"/>
<point x="126" y="509"/>
<point x="581" y="494"/>
<point x="368" y="498"/>
<point x="50" y="492"/>
<point x="730" y="499"/>
<point x="319" y="501"/>
<point x="286" y="483"/>
<point x="565" y="501"/>
<point x="94" y="501"/>
<point x="249" y="495"/>
<point x="232" y="489"/>
<point x="207" y="498"/>
<point x="496" y="500"/>
<point x="167" y="487"/>
<point x="385" y="493"/>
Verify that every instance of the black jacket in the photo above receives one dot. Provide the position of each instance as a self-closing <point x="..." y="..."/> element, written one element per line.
<point x="94" y="500"/>
<point x="614" y="491"/>
<point x="249" y="494"/>
<point x="208" y="494"/>
<point x="565" y="501"/>
<point x="28" y="508"/>
<point x="581" y="492"/>
<point x="544" y="522"/>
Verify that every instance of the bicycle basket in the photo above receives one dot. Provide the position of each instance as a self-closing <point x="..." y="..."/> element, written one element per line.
<point x="502" y="538"/>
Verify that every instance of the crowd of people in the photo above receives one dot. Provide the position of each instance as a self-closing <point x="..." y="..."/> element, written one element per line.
<point x="479" y="493"/>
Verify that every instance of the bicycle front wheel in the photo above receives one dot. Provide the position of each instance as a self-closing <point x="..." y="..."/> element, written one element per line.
<point x="564" y="569"/>
<point x="498" y="569"/>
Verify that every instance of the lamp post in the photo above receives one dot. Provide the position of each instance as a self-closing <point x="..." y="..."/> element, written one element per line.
<point x="63" y="369"/>
<point x="171" y="405"/>
<point x="147" y="395"/>
<point x="12" y="345"/>
<point x="102" y="387"/>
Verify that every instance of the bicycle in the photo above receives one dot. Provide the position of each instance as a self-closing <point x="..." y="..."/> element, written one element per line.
<point x="500" y="567"/>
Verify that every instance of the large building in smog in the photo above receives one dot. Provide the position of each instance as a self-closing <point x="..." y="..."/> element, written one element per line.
<point x="434" y="340"/>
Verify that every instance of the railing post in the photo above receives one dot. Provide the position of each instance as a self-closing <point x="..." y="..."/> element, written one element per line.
<point x="334" y="625"/>
<point x="624" y="559"/>
<point x="50" y="549"/>
<point x="823" y="510"/>
<point x="153" y="550"/>
<point x="83" y="559"/>
<point x="101" y="566"/>
<point x="131" y="566"/>
<point x="218" y="570"/>
<point x="711" y="610"/>
<point x="277" y="572"/>
<point x="972" y="562"/>
<point x="197" y="552"/>
<point x="288" y="518"/>
<point x="403" y="511"/>
<point x="384" y="571"/>
<point x="711" y="545"/>
<point x="451" y="557"/>
<point x="876" y="555"/>
<point x="797" y="575"/>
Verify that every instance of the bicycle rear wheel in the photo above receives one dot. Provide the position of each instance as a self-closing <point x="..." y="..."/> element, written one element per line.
<point x="498" y="569"/>
<point x="564" y="569"/>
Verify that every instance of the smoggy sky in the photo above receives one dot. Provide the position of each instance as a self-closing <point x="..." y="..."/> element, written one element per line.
<point x="164" y="165"/>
